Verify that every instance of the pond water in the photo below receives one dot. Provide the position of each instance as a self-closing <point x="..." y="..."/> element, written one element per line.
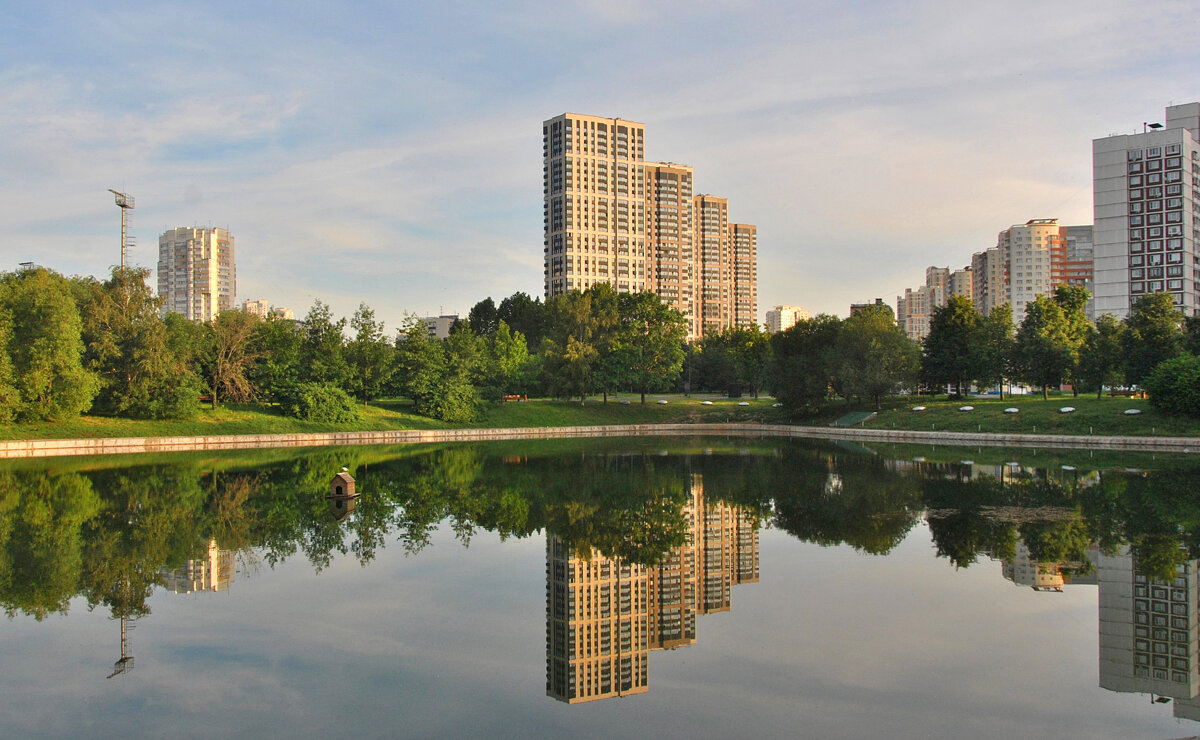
<point x="695" y="587"/>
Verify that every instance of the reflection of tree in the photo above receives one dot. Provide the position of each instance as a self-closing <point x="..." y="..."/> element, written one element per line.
<point x="856" y="500"/>
<point x="41" y="547"/>
<point x="108" y="533"/>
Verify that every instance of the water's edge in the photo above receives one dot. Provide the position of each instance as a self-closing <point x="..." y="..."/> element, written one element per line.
<point x="124" y="445"/>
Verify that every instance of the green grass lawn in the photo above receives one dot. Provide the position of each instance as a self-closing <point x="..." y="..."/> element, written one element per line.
<point x="1036" y="416"/>
<point x="397" y="414"/>
<point x="1100" y="417"/>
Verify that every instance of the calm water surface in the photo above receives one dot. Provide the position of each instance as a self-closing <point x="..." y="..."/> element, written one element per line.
<point x="602" y="588"/>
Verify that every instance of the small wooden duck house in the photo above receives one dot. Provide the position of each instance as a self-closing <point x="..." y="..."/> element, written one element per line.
<point x="342" y="486"/>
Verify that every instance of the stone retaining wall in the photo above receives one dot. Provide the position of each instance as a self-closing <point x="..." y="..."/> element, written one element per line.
<point x="122" y="445"/>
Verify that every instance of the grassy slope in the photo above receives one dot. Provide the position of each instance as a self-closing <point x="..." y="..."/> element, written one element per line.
<point x="1101" y="417"/>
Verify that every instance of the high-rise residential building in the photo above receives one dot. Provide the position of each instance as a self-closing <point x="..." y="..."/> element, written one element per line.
<point x="1031" y="260"/>
<point x="1145" y="191"/>
<point x="214" y="572"/>
<point x="782" y="318"/>
<point x="439" y="326"/>
<point x="613" y="217"/>
<point x="914" y="309"/>
<point x="856" y="307"/>
<point x="197" y="276"/>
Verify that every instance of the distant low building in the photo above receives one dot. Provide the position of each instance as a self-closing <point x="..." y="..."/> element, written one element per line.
<point x="856" y="307"/>
<point x="439" y="326"/>
<point x="259" y="308"/>
<point x="782" y="318"/>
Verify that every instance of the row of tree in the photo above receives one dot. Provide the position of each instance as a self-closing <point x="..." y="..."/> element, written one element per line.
<point x="1056" y="343"/>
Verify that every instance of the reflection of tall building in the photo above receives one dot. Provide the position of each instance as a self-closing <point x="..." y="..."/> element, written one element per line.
<point x="595" y="625"/>
<point x="604" y="615"/>
<point x="1149" y="632"/>
<point x="1023" y="570"/>
<point x="214" y="572"/>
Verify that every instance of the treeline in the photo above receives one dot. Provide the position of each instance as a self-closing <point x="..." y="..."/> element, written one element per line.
<point x="73" y="345"/>
<point x="1153" y="348"/>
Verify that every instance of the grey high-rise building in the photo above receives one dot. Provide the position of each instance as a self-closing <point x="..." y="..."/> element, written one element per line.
<point x="1146" y="188"/>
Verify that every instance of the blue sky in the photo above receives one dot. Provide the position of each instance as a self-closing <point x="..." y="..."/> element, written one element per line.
<point x="391" y="153"/>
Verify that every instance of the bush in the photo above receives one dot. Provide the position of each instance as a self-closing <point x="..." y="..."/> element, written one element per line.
<point x="1174" y="386"/>
<point x="320" y="402"/>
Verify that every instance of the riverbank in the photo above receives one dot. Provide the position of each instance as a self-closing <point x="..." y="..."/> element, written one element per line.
<point x="128" y="445"/>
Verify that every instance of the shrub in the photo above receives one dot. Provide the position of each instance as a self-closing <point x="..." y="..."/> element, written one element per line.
<point x="1174" y="386"/>
<point x="320" y="402"/>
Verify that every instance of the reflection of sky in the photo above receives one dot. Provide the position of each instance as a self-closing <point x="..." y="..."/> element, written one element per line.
<point x="830" y="643"/>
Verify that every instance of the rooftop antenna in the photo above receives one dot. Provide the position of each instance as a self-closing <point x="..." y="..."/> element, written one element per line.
<point x="125" y="203"/>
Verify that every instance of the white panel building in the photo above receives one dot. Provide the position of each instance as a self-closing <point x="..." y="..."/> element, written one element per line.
<point x="1146" y="187"/>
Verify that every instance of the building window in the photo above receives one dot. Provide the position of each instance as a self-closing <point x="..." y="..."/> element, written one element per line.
<point x="1154" y="245"/>
<point x="1174" y="285"/>
<point x="1137" y="274"/>
<point x="1135" y="220"/>
<point x="1137" y="288"/>
<point x="1175" y="244"/>
<point x="1135" y="194"/>
<point x="1174" y="270"/>
<point x="1135" y="167"/>
<point x="1135" y="181"/>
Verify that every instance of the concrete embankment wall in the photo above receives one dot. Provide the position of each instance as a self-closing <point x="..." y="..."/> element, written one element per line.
<point x="122" y="445"/>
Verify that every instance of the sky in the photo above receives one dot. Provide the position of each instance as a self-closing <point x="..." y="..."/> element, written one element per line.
<point x="389" y="153"/>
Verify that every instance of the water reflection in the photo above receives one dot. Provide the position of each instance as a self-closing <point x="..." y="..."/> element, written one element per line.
<point x="604" y="615"/>
<point x="639" y="546"/>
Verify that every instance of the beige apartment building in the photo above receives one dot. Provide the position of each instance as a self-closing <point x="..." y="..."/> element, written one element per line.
<point x="782" y="318"/>
<point x="613" y="217"/>
<point x="914" y="309"/>
<point x="197" y="276"/>
<point x="604" y="616"/>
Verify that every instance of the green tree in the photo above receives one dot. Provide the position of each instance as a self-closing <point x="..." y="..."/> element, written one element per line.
<point x="991" y="355"/>
<point x="1152" y="334"/>
<point x="141" y="373"/>
<point x="233" y="355"/>
<point x="369" y="354"/>
<point x="9" y="396"/>
<point x="954" y="331"/>
<point x="484" y="318"/>
<point x="1174" y="385"/>
<point x="804" y="357"/>
<point x="1102" y="358"/>
<point x="1043" y="352"/>
<point x="1073" y="300"/>
<point x="506" y="357"/>
<point x="875" y="358"/>
<point x="277" y="370"/>
<point x="322" y="347"/>
<point x="649" y="341"/>
<point x="569" y="349"/>
<point x="524" y="315"/>
<point x="420" y="364"/>
<point x="46" y="346"/>
<point x="751" y="348"/>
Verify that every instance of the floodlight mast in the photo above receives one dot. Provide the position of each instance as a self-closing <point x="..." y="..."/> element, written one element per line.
<point x="125" y="203"/>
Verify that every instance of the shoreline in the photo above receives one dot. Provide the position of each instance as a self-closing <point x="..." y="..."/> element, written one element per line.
<point x="134" y="445"/>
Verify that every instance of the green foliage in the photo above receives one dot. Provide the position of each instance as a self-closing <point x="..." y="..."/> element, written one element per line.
<point x="804" y="360"/>
<point x="875" y="358"/>
<point x="991" y="355"/>
<point x="323" y="402"/>
<point x="524" y="315"/>
<point x="142" y="373"/>
<point x="277" y="369"/>
<point x="1152" y="335"/>
<point x="947" y="352"/>
<point x="322" y="350"/>
<point x="1174" y="385"/>
<point x="483" y="318"/>
<point x="45" y="346"/>
<point x="507" y="357"/>
<point x="649" y="342"/>
<point x="1102" y="357"/>
<point x="233" y="352"/>
<point x="370" y="356"/>
<point x="1043" y="355"/>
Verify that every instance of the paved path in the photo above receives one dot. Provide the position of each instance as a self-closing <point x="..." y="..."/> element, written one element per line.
<point x="122" y="445"/>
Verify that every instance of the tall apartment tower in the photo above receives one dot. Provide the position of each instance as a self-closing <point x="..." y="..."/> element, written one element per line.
<point x="613" y="217"/>
<point x="197" y="276"/>
<point x="1145" y="187"/>
<point x="1030" y="260"/>
<point x="914" y="309"/>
